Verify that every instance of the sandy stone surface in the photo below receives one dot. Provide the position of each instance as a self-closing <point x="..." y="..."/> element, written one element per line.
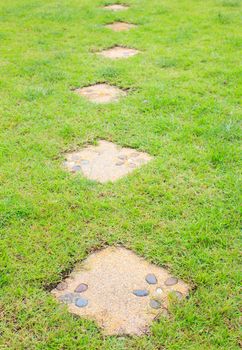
<point x="101" y="93"/>
<point x="118" y="52"/>
<point x="120" y="26"/>
<point x="112" y="275"/>
<point x="105" y="162"/>
<point x="116" y="7"/>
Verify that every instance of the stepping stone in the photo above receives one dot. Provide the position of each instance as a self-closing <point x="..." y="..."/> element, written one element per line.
<point x="120" y="26"/>
<point x="116" y="7"/>
<point x="109" y="299"/>
<point x="105" y="162"/>
<point x="101" y="93"/>
<point x="118" y="52"/>
<point x="151" y="279"/>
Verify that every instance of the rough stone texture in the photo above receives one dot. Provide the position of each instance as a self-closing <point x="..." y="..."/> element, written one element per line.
<point x="120" y="26"/>
<point x="116" y="7"/>
<point x="112" y="275"/>
<point x="101" y="93"/>
<point x="118" y="52"/>
<point x="105" y="162"/>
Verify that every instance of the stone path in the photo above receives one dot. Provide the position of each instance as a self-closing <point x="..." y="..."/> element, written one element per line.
<point x="119" y="290"/>
<point x="116" y="288"/>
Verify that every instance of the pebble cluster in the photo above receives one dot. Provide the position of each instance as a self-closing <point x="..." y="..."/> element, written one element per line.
<point x="155" y="302"/>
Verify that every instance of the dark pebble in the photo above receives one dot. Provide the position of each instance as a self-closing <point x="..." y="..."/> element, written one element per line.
<point x="79" y="302"/>
<point x="171" y="281"/>
<point x="151" y="279"/>
<point x="141" y="292"/>
<point x="81" y="288"/>
<point x="155" y="304"/>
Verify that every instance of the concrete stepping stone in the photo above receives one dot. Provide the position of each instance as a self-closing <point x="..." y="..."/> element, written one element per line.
<point x="101" y="93"/>
<point x="109" y="299"/>
<point x="116" y="7"/>
<point x="105" y="162"/>
<point x="120" y="26"/>
<point x="118" y="52"/>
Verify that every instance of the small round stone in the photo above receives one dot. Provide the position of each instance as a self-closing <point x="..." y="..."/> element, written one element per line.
<point x="76" y="168"/>
<point x="159" y="291"/>
<point x="171" y="281"/>
<point x="79" y="302"/>
<point x="81" y="288"/>
<point x="141" y="292"/>
<point x="155" y="304"/>
<point x="151" y="278"/>
<point x="61" y="286"/>
<point x="67" y="298"/>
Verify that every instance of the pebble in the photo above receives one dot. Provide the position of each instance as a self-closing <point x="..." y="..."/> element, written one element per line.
<point x="171" y="281"/>
<point x="155" y="304"/>
<point x="81" y="288"/>
<point x="61" y="286"/>
<point x="159" y="291"/>
<point x="67" y="298"/>
<point x="79" y="302"/>
<point x="151" y="279"/>
<point x="141" y="292"/>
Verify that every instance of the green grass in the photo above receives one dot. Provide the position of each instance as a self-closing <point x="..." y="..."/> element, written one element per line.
<point x="180" y="211"/>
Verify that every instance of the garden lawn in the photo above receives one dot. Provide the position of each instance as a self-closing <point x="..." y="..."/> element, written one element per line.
<point x="179" y="211"/>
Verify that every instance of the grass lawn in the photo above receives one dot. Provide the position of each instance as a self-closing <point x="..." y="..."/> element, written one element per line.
<point x="179" y="211"/>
